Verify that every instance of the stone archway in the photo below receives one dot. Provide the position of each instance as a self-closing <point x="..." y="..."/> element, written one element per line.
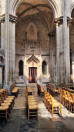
<point x="57" y="29"/>
<point x="53" y="4"/>
<point x="20" y="68"/>
<point x="37" y="34"/>
<point x="56" y="12"/>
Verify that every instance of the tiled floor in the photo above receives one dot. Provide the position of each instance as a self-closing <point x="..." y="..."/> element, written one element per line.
<point x="18" y="122"/>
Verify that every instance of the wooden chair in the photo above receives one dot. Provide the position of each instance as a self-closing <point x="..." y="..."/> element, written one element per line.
<point x="67" y="98"/>
<point x="14" y="90"/>
<point x="32" y="107"/>
<point x="52" y="104"/>
<point x="6" y="103"/>
<point x="4" y="112"/>
<point x="71" y="102"/>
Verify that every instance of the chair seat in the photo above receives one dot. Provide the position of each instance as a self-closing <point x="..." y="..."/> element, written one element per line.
<point x="4" y="107"/>
<point x="5" y="104"/>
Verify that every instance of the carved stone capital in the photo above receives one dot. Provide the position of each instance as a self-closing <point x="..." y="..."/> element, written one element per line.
<point x="2" y="18"/>
<point x="59" y="21"/>
<point x="11" y="18"/>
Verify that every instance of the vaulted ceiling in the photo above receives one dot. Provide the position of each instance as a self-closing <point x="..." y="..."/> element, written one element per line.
<point x="30" y="7"/>
<point x="33" y="6"/>
<point x="40" y="8"/>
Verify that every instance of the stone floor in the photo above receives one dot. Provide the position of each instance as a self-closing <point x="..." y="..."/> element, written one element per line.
<point x="18" y="122"/>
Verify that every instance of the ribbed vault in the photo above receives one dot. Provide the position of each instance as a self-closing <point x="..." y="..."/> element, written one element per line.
<point x="35" y="4"/>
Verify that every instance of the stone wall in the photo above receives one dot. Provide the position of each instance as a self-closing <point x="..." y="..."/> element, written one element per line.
<point x="40" y="44"/>
<point x="47" y="47"/>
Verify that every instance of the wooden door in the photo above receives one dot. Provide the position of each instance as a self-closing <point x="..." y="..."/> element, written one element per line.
<point x="32" y="74"/>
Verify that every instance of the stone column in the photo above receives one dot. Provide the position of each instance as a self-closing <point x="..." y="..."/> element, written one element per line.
<point x="6" y="43"/>
<point x="66" y="42"/>
<point x="2" y="32"/>
<point x="12" y="20"/>
<point x="3" y="35"/>
<point x="59" y="51"/>
<point x="4" y="20"/>
<point x="51" y="58"/>
<point x="51" y="37"/>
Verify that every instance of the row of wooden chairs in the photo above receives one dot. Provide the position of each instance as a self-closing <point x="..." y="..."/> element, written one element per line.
<point x="6" y="103"/>
<point x="52" y="104"/>
<point x="31" y="103"/>
<point x="32" y="107"/>
<point x="52" y="88"/>
<point x="67" y="99"/>
<point x="40" y="90"/>
<point x="28" y="91"/>
<point x="14" y="90"/>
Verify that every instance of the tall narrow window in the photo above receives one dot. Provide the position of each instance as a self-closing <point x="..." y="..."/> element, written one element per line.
<point x="25" y="35"/>
<point x="44" y="68"/>
<point x="20" y="68"/>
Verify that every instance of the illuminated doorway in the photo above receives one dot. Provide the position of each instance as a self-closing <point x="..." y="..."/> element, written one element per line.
<point x="32" y="74"/>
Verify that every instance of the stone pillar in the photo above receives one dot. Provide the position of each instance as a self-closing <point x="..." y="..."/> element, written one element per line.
<point x="62" y="51"/>
<point x="59" y="51"/>
<point x="51" y="37"/>
<point x="6" y="43"/>
<point x="4" y="20"/>
<point x="12" y="20"/>
<point x="66" y="42"/>
<point x="3" y="35"/>
<point x="2" y="32"/>
<point x="51" y="60"/>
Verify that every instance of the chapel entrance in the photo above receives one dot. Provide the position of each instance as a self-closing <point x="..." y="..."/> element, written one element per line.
<point x="32" y="74"/>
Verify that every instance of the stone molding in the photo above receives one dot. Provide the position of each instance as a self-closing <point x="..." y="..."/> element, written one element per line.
<point x="11" y="18"/>
<point x="2" y="18"/>
<point x="59" y="21"/>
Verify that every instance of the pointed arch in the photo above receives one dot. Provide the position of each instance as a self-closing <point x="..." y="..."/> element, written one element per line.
<point x="71" y="8"/>
<point x="20" y="68"/>
<point x="44" y="67"/>
<point x="55" y="7"/>
<point x="31" y="31"/>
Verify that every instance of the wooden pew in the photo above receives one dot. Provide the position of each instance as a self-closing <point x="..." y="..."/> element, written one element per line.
<point x="31" y="104"/>
<point x="14" y="90"/>
<point x="52" y="88"/>
<point x="28" y="91"/>
<point x="32" y="107"/>
<point x="6" y="103"/>
<point x="67" y="98"/>
<point x="52" y="104"/>
<point x="40" y="90"/>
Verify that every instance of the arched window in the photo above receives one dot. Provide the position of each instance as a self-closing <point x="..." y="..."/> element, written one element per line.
<point x="32" y="32"/>
<point x="44" y="68"/>
<point x="20" y="68"/>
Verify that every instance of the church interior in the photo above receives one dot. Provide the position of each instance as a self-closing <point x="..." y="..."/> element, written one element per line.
<point x="37" y="66"/>
<point x="35" y="48"/>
